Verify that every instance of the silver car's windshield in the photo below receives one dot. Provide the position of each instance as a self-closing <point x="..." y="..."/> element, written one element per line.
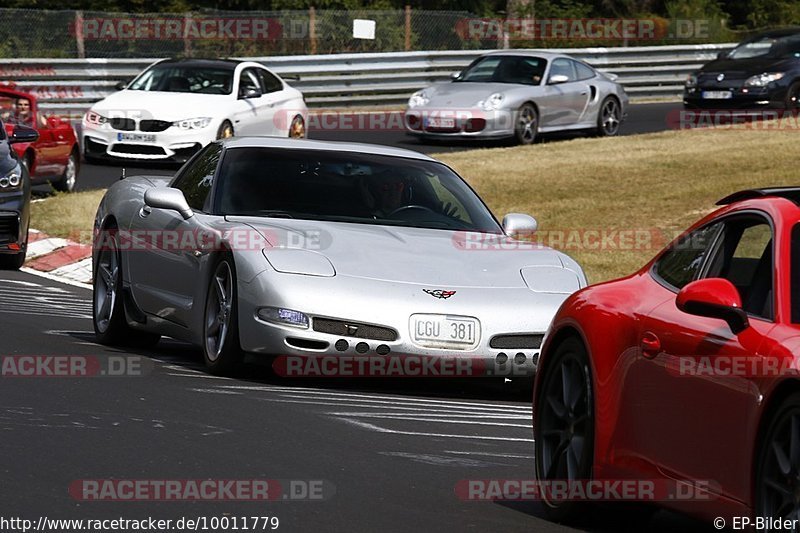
<point x="348" y="187"/>
<point x="184" y="79"/>
<point x="525" y="70"/>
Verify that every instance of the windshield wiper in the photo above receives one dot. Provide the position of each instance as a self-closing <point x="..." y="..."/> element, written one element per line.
<point x="275" y="213"/>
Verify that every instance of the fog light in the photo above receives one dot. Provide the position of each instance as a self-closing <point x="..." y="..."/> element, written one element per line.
<point x="341" y="345"/>
<point x="519" y="358"/>
<point x="362" y="347"/>
<point x="286" y="317"/>
<point x="502" y="358"/>
<point x="382" y="350"/>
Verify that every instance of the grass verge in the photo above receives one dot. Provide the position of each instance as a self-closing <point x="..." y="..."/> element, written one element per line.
<point x="67" y="215"/>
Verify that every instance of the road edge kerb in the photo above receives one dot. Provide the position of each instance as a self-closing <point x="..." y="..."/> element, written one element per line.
<point x="59" y="259"/>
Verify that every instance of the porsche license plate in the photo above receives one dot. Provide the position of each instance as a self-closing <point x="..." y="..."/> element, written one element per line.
<point x="136" y="137"/>
<point x="717" y="95"/>
<point x="445" y="331"/>
<point x="441" y="122"/>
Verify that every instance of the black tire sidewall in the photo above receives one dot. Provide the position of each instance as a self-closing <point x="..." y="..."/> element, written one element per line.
<point x="600" y="129"/>
<point x="787" y="406"/>
<point x="231" y="354"/>
<point x="517" y="133"/>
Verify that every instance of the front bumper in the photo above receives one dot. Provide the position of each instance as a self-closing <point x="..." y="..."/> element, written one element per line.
<point x="740" y="98"/>
<point x="390" y="306"/>
<point x="467" y="124"/>
<point x="14" y="221"/>
<point x="172" y="144"/>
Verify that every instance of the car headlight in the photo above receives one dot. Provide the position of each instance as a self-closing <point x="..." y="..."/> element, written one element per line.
<point x="419" y="98"/>
<point x="11" y="179"/>
<point x="691" y="80"/>
<point x="492" y="103"/>
<point x="762" y="80"/>
<point x="192" y="123"/>
<point x="286" y="317"/>
<point x="95" y="118"/>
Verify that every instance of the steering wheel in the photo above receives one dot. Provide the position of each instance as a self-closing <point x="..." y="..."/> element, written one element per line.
<point x="408" y="207"/>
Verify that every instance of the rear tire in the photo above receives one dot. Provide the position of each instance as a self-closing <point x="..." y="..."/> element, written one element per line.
<point x="222" y="351"/>
<point x="778" y="464"/>
<point x="609" y="118"/>
<point x="67" y="181"/>
<point x="564" y="427"/>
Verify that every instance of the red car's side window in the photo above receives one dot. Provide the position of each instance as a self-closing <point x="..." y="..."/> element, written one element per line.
<point x="682" y="262"/>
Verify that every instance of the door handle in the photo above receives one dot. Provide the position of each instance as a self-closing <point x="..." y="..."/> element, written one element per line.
<point x="650" y="345"/>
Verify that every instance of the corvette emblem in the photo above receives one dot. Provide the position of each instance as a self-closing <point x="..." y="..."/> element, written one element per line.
<point x="720" y="77"/>
<point x="439" y="293"/>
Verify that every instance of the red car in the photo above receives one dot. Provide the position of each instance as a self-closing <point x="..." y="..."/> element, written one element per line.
<point x="55" y="156"/>
<point x="684" y="373"/>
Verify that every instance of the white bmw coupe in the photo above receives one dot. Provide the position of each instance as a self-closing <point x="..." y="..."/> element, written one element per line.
<point x="177" y="106"/>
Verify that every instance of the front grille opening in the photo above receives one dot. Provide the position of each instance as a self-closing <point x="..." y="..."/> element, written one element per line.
<point x="138" y="149"/>
<point x="307" y="344"/>
<point x="9" y="228"/>
<point x="358" y="330"/>
<point x="505" y="342"/>
<point x="123" y="124"/>
<point x="154" y="125"/>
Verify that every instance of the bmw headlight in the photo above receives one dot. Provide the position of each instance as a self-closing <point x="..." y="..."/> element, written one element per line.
<point x="95" y="118"/>
<point x="691" y="81"/>
<point x="192" y="123"/>
<point x="492" y="103"/>
<point x="11" y="179"/>
<point x="419" y="98"/>
<point x="762" y="80"/>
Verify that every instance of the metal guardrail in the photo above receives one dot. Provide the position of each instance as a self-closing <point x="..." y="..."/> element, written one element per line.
<point x="70" y="86"/>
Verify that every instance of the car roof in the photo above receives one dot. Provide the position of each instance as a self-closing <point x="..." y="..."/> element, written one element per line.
<point x="780" y="32"/>
<point x="200" y="62"/>
<point x="305" y="144"/>
<point x="6" y="90"/>
<point x="789" y="193"/>
<point x="527" y="52"/>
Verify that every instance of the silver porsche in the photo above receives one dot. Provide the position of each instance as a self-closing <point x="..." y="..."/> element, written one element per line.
<point x="518" y="94"/>
<point x="291" y="248"/>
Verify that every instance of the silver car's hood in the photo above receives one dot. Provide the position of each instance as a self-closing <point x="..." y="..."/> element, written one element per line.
<point x="468" y="94"/>
<point x="437" y="258"/>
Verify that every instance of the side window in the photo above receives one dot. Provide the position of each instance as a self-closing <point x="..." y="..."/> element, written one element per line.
<point x="745" y="258"/>
<point x="195" y="181"/>
<point x="563" y="67"/>
<point x="584" y="71"/>
<point x="270" y="83"/>
<point x="682" y="262"/>
<point x="248" y="80"/>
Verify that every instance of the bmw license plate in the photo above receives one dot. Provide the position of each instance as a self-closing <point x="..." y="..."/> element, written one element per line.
<point x="441" y="122"/>
<point x="445" y="331"/>
<point x="136" y="137"/>
<point x="717" y="95"/>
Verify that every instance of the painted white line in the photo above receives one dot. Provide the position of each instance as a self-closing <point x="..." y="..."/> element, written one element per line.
<point x="45" y="246"/>
<point x="477" y="414"/>
<point x="24" y="283"/>
<point x="442" y="421"/>
<point x="378" y="429"/>
<point x="410" y="401"/>
<point x="491" y="454"/>
<point x="80" y="271"/>
<point x="47" y="275"/>
<point x="216" y="391"/>
<point x="202" y="376"/>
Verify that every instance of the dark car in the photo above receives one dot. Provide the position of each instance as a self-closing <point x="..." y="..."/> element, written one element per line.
<point x="15" y="196"/>
<point x="761" y="72"/>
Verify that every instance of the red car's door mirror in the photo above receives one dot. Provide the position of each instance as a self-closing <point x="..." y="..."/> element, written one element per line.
<point x="714" y="298"/>
<point x="23" y="134"/>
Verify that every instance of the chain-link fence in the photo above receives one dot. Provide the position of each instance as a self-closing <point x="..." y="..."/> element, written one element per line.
<point x="78" y="34"/>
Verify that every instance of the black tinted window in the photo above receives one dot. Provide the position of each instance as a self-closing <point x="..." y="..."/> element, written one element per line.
<point x="563" y="67"/>
<point x="270" y="83"/>
<point x="681" y="263"/>
<point x="584" y="72"/>
<point x="195" y="181"/>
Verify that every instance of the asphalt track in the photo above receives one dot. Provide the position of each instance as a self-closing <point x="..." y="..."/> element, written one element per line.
<point x="642" y="118"/>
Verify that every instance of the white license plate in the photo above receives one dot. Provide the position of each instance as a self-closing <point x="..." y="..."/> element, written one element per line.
<point x="441" y="122"/>
<point x="717" y="95"/>
<point x="136" y="137"/>
<point x="445" y="331"/>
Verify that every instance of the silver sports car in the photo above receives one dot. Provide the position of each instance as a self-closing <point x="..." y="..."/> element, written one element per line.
<point x="301" y="248"/>
<point x="518" y="94"/>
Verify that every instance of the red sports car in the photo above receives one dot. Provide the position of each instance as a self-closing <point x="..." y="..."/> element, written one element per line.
<point x="55" y="156"/>
<point x="685" y="372"/>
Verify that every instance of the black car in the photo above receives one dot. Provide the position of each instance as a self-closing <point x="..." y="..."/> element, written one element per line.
<point x="15" y="197"/>
<point x="761" y="72"/>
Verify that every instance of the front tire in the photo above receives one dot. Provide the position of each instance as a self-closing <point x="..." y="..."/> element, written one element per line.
<point x="67" y="181"/>
<point x="297" y="129"/>
<point x="225" y="130"/>
<point x="221" y="349"/>
<point x="609" y="118"/>
<point x="564" y="427"/>
<point x="778" y="465"/>
<point x="526" y="125"/>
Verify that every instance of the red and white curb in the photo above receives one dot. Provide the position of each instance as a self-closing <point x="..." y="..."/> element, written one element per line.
<point x="59" y="259"/>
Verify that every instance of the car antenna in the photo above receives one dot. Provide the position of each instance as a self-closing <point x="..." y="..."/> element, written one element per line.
<point x="122" y="176"/>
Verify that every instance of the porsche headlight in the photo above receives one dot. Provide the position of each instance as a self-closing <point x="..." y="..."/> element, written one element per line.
<point x="762" y="80"/>
<point x="691" y="80"/>
<point x="11" y="179"/>
<point x="95" y="118"/>
<point x="419" y="98"/>
<point x="192" y="123"/>
<point x="492" y="103"/>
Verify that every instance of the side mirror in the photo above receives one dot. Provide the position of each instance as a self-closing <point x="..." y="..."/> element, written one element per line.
<point x="722" y="55"/>
<point x="518" y="225"/>
<point x="714" y="298"/>
<point x="555" y="79"/>
<point x="250" y="92"/>
<point x="23" y="134"/>
<point x="455" y="75"/>
<point x="168" y="198"/>
<point x="121" y="85"/>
